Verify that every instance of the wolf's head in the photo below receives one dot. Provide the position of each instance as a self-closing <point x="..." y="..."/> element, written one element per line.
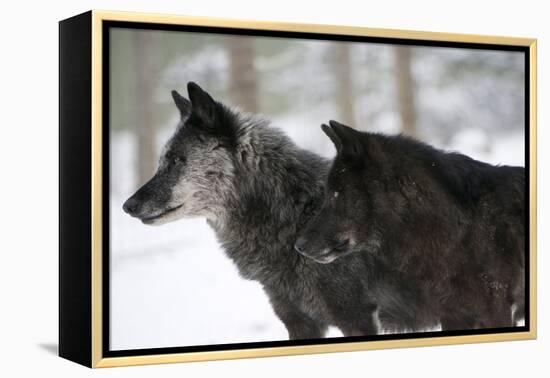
<point x="355" y="198"/>
<point x="196" y="167"/>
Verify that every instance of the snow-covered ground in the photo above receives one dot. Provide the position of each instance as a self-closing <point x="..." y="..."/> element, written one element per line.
<point x="173" y="286"/>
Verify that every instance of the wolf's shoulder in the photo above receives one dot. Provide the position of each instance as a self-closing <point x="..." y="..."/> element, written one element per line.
<point x="466" y="178"/>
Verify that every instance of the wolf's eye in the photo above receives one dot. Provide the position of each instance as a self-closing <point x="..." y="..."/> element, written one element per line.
<point x="176" y="160"/>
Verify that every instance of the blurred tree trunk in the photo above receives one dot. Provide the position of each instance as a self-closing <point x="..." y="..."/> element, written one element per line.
<point x="405" y="90"/>
<point x="344" y="84"/>
<point x="144" y="107"/>
<point x="243" y="87"/>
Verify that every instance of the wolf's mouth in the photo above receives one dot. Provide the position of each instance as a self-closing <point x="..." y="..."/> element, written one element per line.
<point x="326" y="257"/>
<point x="320" y="257"/>
<point x="149" y="220"/>
<point x="331" y="254"/>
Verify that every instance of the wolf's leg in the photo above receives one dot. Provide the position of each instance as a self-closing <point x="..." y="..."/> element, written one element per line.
<point x="364" y="328"/>
<point x="298" y="324"/>
<point x="455" y="323"/>
<point x="519" y="313"/>
<point x="487" y="310"/>
<point x="500" y="314"/>
<point x="488" y="313"/>
<point x="358" y="321"/>
<point x="518" y="298"/>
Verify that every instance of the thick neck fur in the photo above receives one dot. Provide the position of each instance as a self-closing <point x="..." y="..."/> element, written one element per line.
<point x="276" y="187"/>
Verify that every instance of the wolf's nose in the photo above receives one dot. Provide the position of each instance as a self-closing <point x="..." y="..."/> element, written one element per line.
<point x="130" y="206"/>
<point x="300" y="244"/>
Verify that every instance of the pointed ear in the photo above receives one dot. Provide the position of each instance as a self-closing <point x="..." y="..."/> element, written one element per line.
<point x="350" y="139"/>
<point x="183" y="104"/>
<point x="203" y="105"/>
<point x="333" y="137"/>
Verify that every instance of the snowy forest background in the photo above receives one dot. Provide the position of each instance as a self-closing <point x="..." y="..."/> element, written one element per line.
<point x="172" y="285"/>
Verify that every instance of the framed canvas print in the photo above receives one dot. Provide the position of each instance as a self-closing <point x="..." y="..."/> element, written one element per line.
<point x="235" y="189"/>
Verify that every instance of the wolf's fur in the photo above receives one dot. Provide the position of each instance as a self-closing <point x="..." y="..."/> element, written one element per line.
<point x="257" y="190"/>
<point x="445" y="233"/>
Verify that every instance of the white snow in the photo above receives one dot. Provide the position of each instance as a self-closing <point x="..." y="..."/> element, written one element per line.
<point x="173" y="286"/>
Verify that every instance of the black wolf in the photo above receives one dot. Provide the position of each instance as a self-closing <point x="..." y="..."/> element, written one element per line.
<point x="445" y="233"/>
<point x="257" y="190"/>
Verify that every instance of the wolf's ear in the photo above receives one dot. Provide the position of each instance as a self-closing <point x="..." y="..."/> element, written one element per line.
<point x="333" y="137"/>
<point x="183" y="104"/>
<point x="203" y="105"/>
<point x="350" y="140"/>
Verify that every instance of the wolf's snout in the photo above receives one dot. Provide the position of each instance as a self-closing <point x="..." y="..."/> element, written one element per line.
<point x="131" y="206"/>
<point x="300" y="245"/>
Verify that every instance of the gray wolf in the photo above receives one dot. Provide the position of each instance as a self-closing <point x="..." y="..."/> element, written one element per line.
<point x="257" y="190"/>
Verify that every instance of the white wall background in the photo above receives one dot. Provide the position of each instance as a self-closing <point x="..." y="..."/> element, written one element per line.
<point x="28" y="158"/>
